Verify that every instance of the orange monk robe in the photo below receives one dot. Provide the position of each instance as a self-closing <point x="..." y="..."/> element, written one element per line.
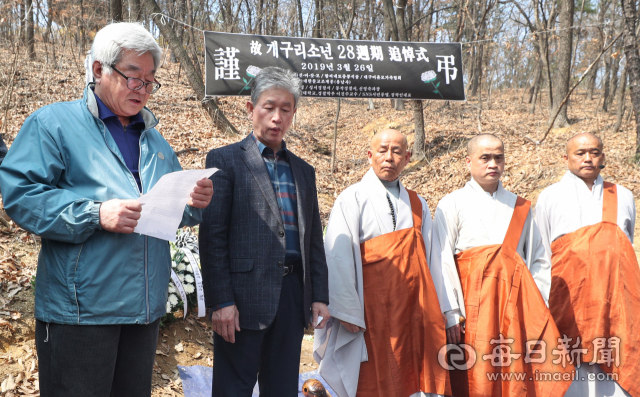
<point x="595" y="298"/>
<point x="505" y="311"/>
<point x="384" y="291"/>
<point x="405" y="329"/>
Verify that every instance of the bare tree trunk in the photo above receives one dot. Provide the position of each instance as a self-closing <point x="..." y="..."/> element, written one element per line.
<point x="401" y="26"/>
<point x="372" y="32"/>
<point x="135" y="13"/>
<point x="274" y="17"/>
<point x="563" y="77"/>
<point x="23" y="28"/>
<point x="536" y="93"/>
<point x="192" y="40"/>
<point x="615" y="67"/>
<point x="542" y="35"/>
<point x="393" y="27"/>
<point x="48" y="35"/>
<point x="620" y="99"/>
<point x="335" y="136"/>
<point x="116" y="10"/>
<point x="591" y="82"/>
<point x="536" y="82"/>
<point x="81" y="29"/>
<point x="633" y="61"/>
<point x="477" y="70"/>
<point x="577" y="43"/>
<point x="195" y="80"/>
<point x="318" y="16"/>
<point x="427" y="27"/>
<point x="180" y="16"/>
<point x="419" y="138"/>
<point x="607" y="83"/>
<point x="29" y="33"/>
<point x="301" y="21"/>
<point x="409" y="18"/>
<point x="260" y="16"/>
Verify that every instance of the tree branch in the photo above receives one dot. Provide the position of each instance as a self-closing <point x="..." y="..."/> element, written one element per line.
<point x="566" y="98"/>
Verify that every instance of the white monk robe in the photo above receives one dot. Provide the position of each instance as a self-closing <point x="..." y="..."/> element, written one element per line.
<point x="563" y="208"/>
<point x="469" y="218"/>
<point x="360" y="213"/>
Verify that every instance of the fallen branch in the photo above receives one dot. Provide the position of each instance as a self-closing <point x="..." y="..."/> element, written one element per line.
<point x="566" y="98"/>
<point x="191" y="149"/>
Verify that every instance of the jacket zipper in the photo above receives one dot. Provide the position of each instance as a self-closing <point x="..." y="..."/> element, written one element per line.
<point x="146" y="269"/>
<point x="140" y="191"/>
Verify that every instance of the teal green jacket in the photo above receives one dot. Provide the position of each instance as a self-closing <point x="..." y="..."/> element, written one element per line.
<point x="62" y="165"/>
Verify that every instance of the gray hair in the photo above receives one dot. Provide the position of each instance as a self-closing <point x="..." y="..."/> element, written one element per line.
<point x="274" y="77"/>
<point x="111" y="40"/>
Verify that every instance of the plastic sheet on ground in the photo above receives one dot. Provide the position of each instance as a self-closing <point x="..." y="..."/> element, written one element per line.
<point x="197" y="381"/>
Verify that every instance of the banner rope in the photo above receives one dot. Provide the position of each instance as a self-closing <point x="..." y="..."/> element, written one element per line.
<point x="164" y="22"/>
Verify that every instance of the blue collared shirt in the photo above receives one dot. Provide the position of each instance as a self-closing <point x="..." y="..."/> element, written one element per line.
<point x="284" y="186"/>
<point x="127" y="137"/>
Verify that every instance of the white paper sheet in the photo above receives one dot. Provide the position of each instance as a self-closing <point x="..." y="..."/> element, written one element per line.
<point x="163" y="206"/>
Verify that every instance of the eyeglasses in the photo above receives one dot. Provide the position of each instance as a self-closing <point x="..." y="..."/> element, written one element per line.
<point x="137" y="84"/>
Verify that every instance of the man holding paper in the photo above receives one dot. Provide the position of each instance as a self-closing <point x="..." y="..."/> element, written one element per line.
<point x="73" y="177"/>
<point x="265" y="275"/>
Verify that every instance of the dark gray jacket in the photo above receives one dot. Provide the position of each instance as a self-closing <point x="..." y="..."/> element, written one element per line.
<point x="242" y="239"/>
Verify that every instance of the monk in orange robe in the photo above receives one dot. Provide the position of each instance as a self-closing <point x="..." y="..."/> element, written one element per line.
<point x="386" y="328"/>
<point x="489" y="266"/>
<point x="587" y="226"/>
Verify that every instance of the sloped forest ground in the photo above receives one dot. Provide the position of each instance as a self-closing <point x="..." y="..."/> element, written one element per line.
<point x="182" y="122"/>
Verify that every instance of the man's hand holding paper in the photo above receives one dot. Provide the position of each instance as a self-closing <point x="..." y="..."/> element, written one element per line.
<point x="201" y="195"/>
<point x="164" y="204"/>
<point x="120" y="216"/>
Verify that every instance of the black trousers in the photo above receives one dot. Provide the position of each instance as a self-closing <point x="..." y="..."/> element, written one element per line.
<point x="96" y="360"/>
<point x="271" y="355"/>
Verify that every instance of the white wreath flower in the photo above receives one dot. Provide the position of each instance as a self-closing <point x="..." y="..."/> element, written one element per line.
<point x="173" y="300"/>
<point x="189" y="289"/>
<point x="252" y="71"/>
<point x="181" y="267"/>
<point x="189" y="279"/>
<point x="428" y="76"/>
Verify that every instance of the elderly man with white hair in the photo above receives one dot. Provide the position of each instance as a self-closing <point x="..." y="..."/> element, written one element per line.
<point x="72" y="176"/>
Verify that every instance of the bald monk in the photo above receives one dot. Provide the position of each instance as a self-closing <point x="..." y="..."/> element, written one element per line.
<point x="493" y="278"/>
<point x="587" y="228"/>
<point x="386" y="327"/>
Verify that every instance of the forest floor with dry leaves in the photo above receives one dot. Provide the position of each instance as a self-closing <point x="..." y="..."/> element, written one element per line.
<point x="448" y="127"/>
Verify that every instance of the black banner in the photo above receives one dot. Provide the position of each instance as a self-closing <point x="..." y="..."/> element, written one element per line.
<point x="336" y="68"/>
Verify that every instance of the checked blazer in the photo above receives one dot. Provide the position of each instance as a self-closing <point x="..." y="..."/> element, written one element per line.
<point x="242" y="237"/>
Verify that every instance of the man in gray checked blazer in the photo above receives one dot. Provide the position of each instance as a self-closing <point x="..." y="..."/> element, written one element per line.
<point x="261" y="249"/>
